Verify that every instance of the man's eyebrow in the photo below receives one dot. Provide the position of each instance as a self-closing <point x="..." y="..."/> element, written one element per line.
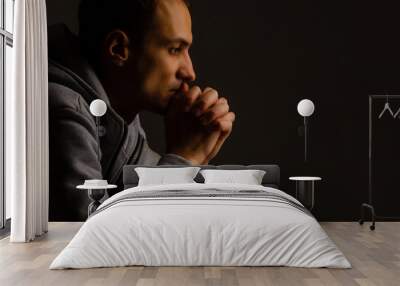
<point x="179" y="40"/>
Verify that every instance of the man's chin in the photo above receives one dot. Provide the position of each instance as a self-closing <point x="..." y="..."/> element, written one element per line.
<point x="161" y="107"/>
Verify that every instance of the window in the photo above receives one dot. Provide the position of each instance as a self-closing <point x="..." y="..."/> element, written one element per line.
<point x="6" y="65"/>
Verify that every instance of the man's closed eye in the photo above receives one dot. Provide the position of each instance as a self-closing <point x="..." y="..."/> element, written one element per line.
<point x="175" y="51"/>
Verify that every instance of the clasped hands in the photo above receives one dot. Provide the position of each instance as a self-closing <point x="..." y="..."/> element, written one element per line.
<point x="197" y="124"/>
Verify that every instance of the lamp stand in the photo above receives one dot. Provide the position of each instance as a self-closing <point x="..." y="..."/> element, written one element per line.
<point x="98" y="136"/>
<point x="305" y="138"/>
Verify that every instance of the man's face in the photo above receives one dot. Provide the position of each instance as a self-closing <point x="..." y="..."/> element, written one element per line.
<point x="165" y="63"/>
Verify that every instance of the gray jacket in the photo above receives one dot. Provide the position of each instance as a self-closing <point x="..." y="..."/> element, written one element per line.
<point x="73" y="85"/>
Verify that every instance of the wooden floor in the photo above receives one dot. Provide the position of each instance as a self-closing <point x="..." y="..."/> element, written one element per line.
<point x="375" y="256"/>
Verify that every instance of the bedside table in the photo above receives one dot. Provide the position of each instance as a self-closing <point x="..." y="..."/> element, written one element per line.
<point x="95" y="193"/>
<point x="305" y="190"/>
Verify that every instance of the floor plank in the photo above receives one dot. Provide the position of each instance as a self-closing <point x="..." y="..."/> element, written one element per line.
<point x="375" y="257"/>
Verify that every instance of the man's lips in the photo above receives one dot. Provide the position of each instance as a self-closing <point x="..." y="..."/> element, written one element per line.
<point x="184" y="87"/>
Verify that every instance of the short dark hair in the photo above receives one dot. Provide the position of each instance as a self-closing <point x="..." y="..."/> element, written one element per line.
<point x="99" y="17"/>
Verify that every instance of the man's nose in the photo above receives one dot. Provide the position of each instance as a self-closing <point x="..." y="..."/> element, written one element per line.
<point x="186" y="71"/>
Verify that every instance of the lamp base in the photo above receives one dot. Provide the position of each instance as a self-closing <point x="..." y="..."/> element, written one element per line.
<point x="371" y="208"/>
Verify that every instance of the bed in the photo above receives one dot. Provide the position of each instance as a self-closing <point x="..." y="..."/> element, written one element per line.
<point x="201" y="224"/>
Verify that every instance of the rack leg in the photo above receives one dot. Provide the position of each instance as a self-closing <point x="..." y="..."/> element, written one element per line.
<point x="371" y="208"/>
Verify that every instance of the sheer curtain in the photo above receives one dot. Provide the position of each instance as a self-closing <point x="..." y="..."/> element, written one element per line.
<point x="27" y="124"/>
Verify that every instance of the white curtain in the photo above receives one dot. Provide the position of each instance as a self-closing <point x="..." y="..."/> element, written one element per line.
<point x="27" y="124"/>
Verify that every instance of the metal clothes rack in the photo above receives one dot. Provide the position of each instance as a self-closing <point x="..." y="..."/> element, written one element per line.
<point x="369" y="205"/>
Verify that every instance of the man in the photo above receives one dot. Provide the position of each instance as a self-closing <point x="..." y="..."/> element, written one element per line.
<point x="134" y="55"/>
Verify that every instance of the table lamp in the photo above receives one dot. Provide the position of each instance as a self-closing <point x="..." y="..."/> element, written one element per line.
<point x="96" y="188"/>
<point x="98" y="108"/>
<point x="305" y="108"/>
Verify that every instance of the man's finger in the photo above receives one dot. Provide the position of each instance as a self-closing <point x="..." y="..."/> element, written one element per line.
<point x="222" y="100"/>
<point x="215" y="112"/>
<point x="207" y="89"/>
<point x="205" y="101"/>
<point x="223" y="123"/>
<point x="190" y="97"/>
<point x="181" y="102"/>
<point x="227" y="125"/>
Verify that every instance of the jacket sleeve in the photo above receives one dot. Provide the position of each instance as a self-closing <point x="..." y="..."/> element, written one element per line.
<point x="73" y="158"/>
<point x="172" y="159"/>
<point x="150" y="157"/>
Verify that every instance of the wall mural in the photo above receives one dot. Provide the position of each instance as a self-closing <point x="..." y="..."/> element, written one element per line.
<point x="218" y="83"/>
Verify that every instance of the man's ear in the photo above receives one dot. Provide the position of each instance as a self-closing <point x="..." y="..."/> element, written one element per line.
<point x="117" y="47"/>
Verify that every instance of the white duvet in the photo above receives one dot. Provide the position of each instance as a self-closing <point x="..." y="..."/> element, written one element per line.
<point x="200" y="231"/>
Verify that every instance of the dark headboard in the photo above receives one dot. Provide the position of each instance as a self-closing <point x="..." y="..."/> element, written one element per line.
<point x="271" y="177"/>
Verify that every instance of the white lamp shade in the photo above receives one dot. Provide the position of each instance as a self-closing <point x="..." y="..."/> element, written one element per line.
<point x="98" y="107"/>
<point x="305" y="107"/>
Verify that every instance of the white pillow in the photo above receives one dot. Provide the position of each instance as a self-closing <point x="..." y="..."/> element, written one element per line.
<point x="162" y="176"/>
<point x="248" y="177"/>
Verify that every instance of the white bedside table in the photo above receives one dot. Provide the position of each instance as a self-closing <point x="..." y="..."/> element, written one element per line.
<point x="95" y="193"/>
<point x="305" y="190"/>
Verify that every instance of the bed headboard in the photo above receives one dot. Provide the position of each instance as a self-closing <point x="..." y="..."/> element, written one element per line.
<point x="271" y="177"/>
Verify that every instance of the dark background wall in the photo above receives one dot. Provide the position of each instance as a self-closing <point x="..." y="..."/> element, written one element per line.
<point x="265" y="56"/>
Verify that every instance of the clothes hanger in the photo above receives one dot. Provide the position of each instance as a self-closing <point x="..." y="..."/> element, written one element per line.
<point x="397" y="113"/>
<point x="387" y="107"/>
